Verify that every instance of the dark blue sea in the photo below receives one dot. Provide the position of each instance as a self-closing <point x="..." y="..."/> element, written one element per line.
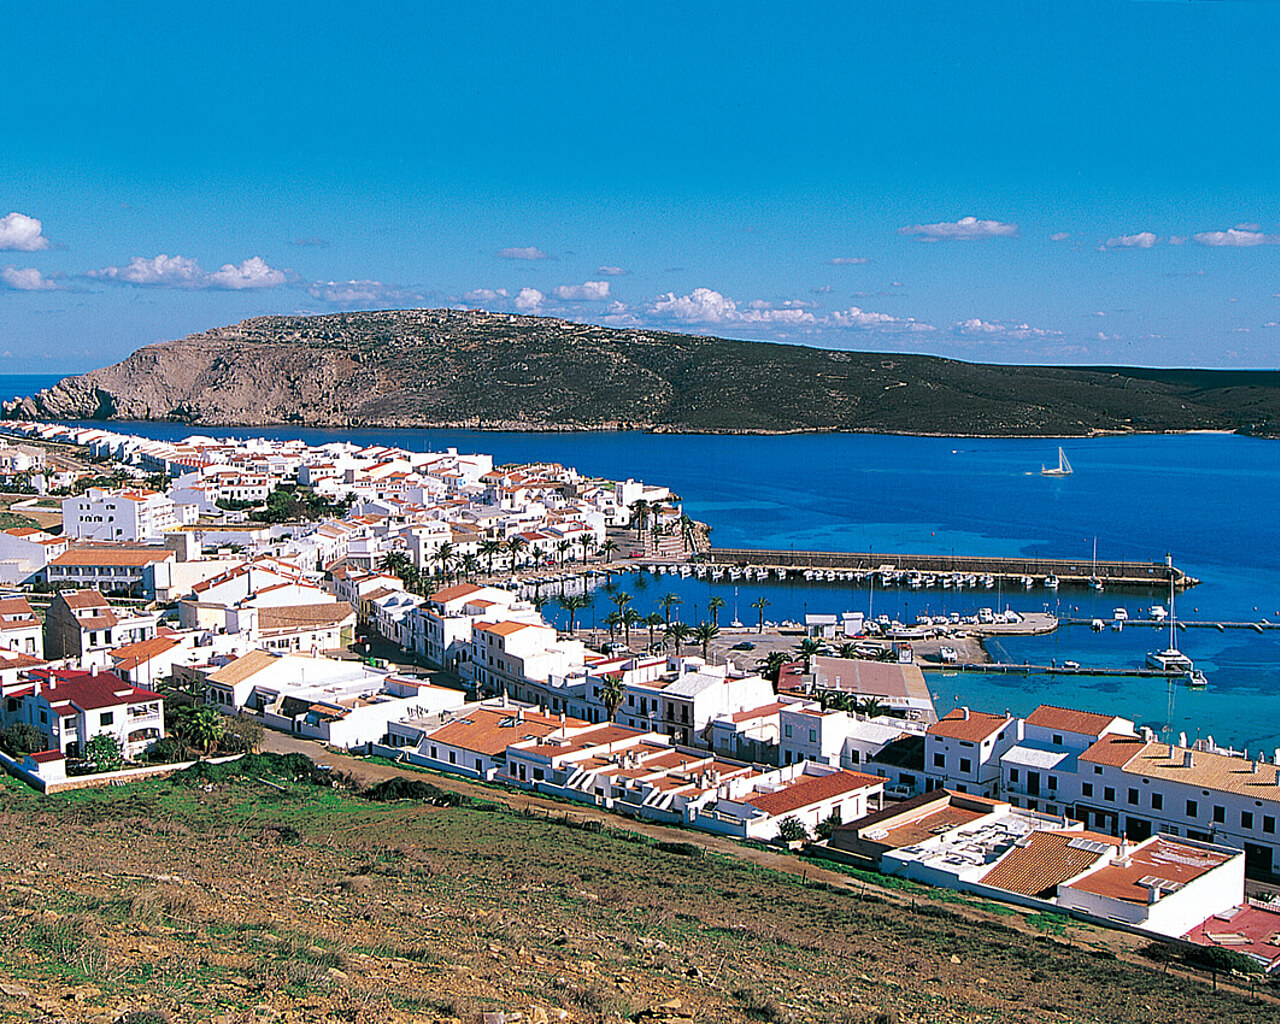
<point x="1210" y="500"/>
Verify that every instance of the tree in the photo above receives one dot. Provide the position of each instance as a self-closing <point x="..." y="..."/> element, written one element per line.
<point x="562" y="546"/>
<point x="613" y="620"/>
<point x="714" y="604"/>
<point x="847" y="650"/>
<point x="395" y="562"/>
<point x="808" y="647"/>
<point x="621" y="598"/>
<point x="678" y="632"/>
<point x="104" y="753"/>
<point x="573" y="604"/>
<point x="872" y="707"/>
<point x="704" y="634"/>
<point x="631" y="617"/>
<point x="200" y="725"/>
<point x="760" y="604"/>
<point x="829" y="824"/>
<point x="488" y="548"/>
<point x="444" y="555"/>
<point x="667" y="600"/>
<point x="639" y="515"/>
<point x="515" y="545"/>
<point x="686" y="531"/>
<point x="241" y="735"/>
<point x="653" y="620"/>
<point x="611" y="693"/>
<point x="791" y="830"/>
<point x="770" y="666"/>
<point x="609" y="547"/>
<point x="23" y="738"/>
<point x="470" y="564"/>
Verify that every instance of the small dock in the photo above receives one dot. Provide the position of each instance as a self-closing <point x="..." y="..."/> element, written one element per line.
<point x="1261" y="626"/>
<point x="1006" y="668"/>
<point x="1010" y="571"/>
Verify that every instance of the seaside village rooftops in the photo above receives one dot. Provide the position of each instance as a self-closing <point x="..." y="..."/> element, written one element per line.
<point x="969" y="726"/>
<point x="1209" y="770"/>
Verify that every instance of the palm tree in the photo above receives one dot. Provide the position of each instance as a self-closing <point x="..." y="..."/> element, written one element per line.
<point x="631" y="617"/>
<point x="770" y="665"/>
<point x="613" y="620"/>
<point x="394" y="562"/>
<point x="588" y="542"/>
<point x="621" y="598"/>
<point x="847" y="650"/>
<point x="444" y="555"/>
<point x="714" y="604"/>
<point x="667" y="600"/>
<point x="872" y="707"/>
<point x="488" y="548"/>
<point x="686" y="531"/>
<point x="469" y="564"/>
<point x="679" y="632"/>
<point x="760" y="604"/>
<point x="704" y="634"/>
<point x="563" y="546"/>
<point x="611" y="693"/>
<point x="609" y="547"/>
<point x="514" y="546"/>
<point x="639" y="515"/>
<point x="201" y="725"/>
<point x="573" y="604"/>
<point x="653" y="620"/>
<point x="808" y="647"/>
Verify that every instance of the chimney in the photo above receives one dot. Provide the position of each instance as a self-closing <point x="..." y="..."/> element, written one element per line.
<point x="93" y="671"/>
<point x="1187" y="759"/>
<point x="1154" y="893"/>
<point x="964" y="712"/>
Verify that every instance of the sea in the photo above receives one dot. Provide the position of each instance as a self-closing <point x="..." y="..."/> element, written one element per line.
<point x="1211" y="501"/>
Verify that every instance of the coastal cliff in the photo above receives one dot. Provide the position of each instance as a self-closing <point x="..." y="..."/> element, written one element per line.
<point x="446" y="368"/>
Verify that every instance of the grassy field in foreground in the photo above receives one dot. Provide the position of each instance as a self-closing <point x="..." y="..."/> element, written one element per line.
<point x="221" y="899"/>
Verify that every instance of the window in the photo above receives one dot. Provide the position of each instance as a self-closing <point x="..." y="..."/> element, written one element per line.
<point x="1157" y="801"/>
<point x="1268" y="824"/>
<point x="1246" y="819"/>
<point x="1108" y="793"/>
<point x="1097" y="769"/>
<point x="786" y="731"/>
<point x="1053" y="782"/>
<point x="1192" y="810"/>
<point x="1057" y="738"/>
<point x="1219" y="813"/>
<point x="107" y="718"/>
<point x="453" y="757"/>
<point x="939" y="760"/>
<point x="965" y="743"/>
<point x="813" y="735"/>
<point x="1013" y="774"/>
<point x="1086" y="789"/>
<point x="965" y="765"/>
<point x="1133" y="796"/>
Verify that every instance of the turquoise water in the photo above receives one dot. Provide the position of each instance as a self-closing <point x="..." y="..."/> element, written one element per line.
<point x="1208" y="499"/>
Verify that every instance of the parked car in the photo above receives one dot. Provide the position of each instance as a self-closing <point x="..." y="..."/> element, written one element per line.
<point x="745" y="645"/>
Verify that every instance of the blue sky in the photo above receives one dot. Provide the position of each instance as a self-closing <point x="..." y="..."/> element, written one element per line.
<point x="1067" y="183"/>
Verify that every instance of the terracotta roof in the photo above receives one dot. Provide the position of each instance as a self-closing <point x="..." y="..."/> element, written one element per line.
<point x="17" y="606"/>
<point x="1089" y="723"/>
<point x="811" y="789"/>
<point x="1219" y="772"/>
<point x="83" y="599"/>
<point x="506" y="628"/>
<point x="1047" y="859"/>
<point x="918" y="819"/>
<point x="88" y="691"/>
<point x="1162" y="857"/>
<point x="16" y="659"/>
<point x="45" y="756"/>
<point x="243" y="668"/>
<point x="301" y="616"/>
<point x="1116" y="751"/>
<point x="132" y="655"/>
<point x="978" y="726"/>
<point x="112" y="556"/>
<point x="1249" y="929"/>
<point x="762" y="712"/>
<point x="483" y="731"/>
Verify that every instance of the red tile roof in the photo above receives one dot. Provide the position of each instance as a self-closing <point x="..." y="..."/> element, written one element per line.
<point x="89" y="692"/>
<point x="1089" y="723"/>
<point x="1163" y="857"/>
<point x="1116" y="751"/>
<point x="811" y="789"/>
<point x="976" y="727"/>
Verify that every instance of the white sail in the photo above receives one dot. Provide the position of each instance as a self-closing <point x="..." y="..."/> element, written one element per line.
<point x="1062" y="469"/>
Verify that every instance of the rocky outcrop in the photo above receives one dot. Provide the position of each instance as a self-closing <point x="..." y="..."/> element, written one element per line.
<point x="437" y="368"/>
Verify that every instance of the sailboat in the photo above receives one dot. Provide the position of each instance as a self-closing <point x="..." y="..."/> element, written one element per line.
<point x="1063" y="467"/>
<point x="1171" y="659"/>
<point x="1095" y="582"/>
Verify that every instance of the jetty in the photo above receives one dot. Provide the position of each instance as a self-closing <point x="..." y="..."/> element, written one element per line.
<point x="1070" y="572"/>
<point x="1009" y="668"/>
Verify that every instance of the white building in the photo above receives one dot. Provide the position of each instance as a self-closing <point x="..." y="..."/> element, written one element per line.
<point x="963" y="750"/>
<point x="128" y="515"/>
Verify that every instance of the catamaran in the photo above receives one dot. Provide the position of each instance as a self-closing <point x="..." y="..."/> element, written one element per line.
<point x="1063" y="468"/>
<point x="1171" y="659"/>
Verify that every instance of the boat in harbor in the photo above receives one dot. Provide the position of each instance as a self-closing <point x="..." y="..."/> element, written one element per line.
<point x="1063" y="468"/>
<point x="1051" y="581"/>
<point x="1171" y="659"/>
<point x="1196" y="680"/>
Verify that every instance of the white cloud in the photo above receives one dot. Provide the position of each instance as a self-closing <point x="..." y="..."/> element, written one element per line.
<point x="25" y="279"/>
<point x="1177" y="239"/>
<point x="965" y="228"/>
<point x="485" y="295"/>
<point x="1060" y="236"/>
<point x="185" y="272"/>
<point x="700" y="306"/>
<point x="865" y="320"/>
<point x="610" y="271"/>
<point x="527" y="252"/>
<point x="618" y="314"/>
<point x="1242" y="236"/>
<point x="21" y="233"/>
<point x="360" y="293"/>
<point x="1142" y="240"/>
<point x="587" y="291"/>
<point x="843" y="261"/>
<point x="252" y="273"/>
<point x="976" y="327"/>
<point x="529" y="300"/>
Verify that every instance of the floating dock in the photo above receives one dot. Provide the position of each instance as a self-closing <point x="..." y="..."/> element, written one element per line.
<point x="1006" y="668"/>
<point x="1070" y="572"/>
